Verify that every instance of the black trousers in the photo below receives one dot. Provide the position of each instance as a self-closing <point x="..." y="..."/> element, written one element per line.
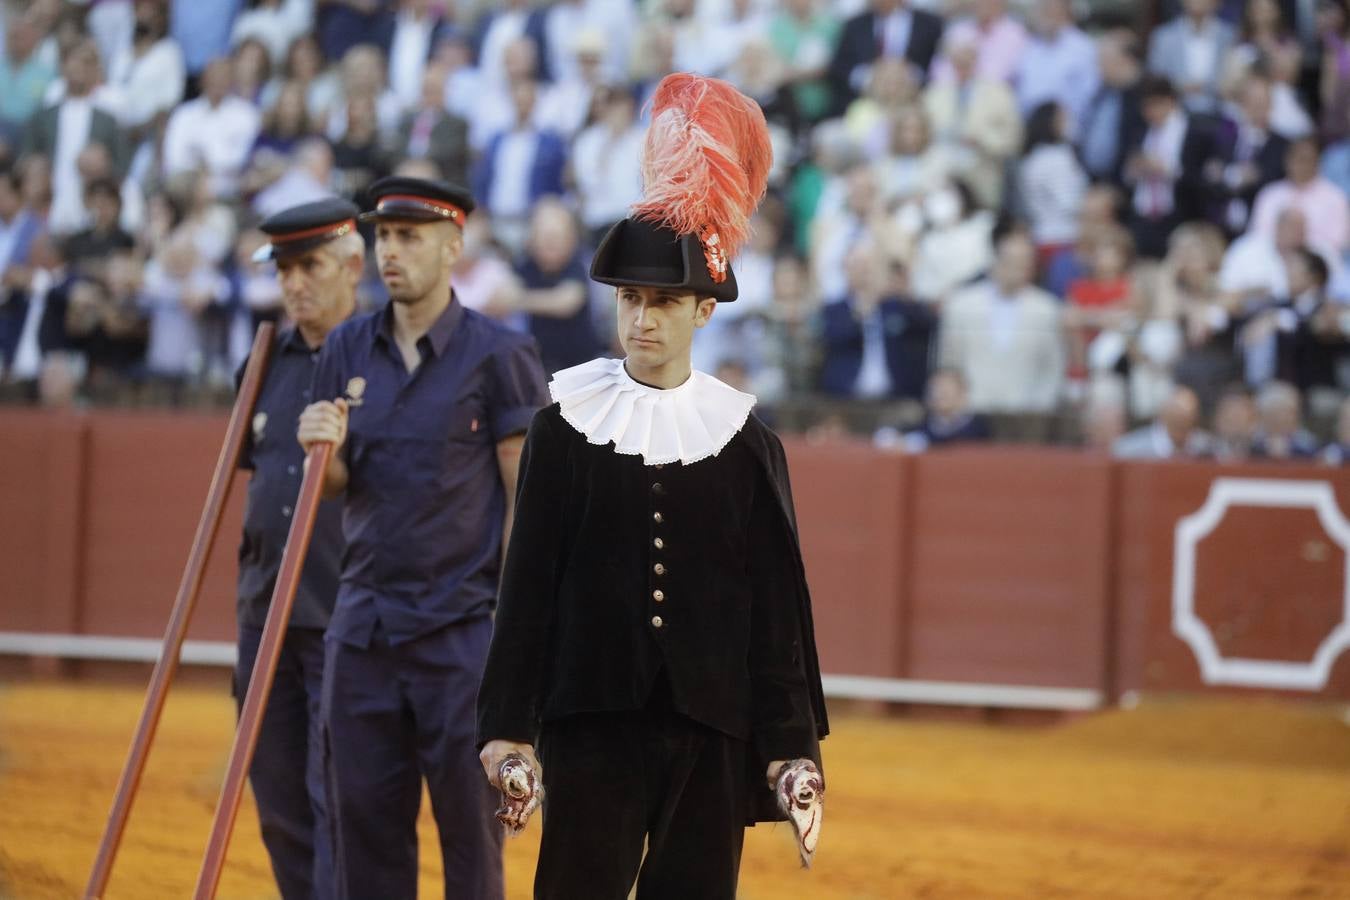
<point x="613" y="781"/>
<point x="287" y="769"/>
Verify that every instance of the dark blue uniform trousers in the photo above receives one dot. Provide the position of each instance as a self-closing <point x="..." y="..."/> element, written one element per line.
<point x="394" y="716"/>
<point x="287" y="769"/>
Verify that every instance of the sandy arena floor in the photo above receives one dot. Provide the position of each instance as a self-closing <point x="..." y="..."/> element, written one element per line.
<point x="1215" y="800"/>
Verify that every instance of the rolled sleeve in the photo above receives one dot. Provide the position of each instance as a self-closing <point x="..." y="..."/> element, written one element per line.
<point x="517" y="388"/>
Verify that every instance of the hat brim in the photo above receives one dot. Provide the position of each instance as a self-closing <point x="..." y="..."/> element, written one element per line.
<point x="271" y="252"/>
<point x="409" y="214"/>
<point x="637" y="253"/>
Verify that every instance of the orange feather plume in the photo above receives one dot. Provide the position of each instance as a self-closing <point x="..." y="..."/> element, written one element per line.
<point x="705" y="164"/>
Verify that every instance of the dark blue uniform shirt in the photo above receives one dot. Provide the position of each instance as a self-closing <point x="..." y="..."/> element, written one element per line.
<point x="424" y="503"/>
<point x="274" y="455"/>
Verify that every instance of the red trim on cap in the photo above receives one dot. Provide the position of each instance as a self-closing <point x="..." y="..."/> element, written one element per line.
<point x="337" y="229"/>
<point x="441" y="206"/>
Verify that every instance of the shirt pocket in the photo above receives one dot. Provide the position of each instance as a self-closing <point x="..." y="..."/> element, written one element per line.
<point x="468" y="422"/>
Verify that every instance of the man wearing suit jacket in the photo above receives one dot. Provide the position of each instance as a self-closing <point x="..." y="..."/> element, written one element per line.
<point x="976" y="117"/>
<point x="875" y="337"/>
<point x="430" y="132"/>
<point x="1004" y="335"/>
<point x="520" y="165"/>
<point x="61" y="131"/>
<point x="889" y="28"/>
<point x="1113" y="123"/>
<point x="1247" y="156"/>
<point x="1189" y="52"/>
<point x="1163" y="171"/>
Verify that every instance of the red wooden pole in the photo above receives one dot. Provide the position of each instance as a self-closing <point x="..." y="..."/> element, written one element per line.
<point x="188" y="589"/>
<point x="264" y="669"/>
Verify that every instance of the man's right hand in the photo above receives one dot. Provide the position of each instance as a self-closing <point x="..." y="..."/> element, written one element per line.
<point x="323" y="422"/>
<point x="495" y="751"/>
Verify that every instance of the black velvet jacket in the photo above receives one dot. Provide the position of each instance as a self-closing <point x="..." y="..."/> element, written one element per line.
<point x="618" y="571"/>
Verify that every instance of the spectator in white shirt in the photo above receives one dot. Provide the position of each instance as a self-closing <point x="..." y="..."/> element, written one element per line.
<point x="955" y="247"/>
<point x="606" y="162"/>
<point x="504" y="26"/>
<point x="149" y="74"/>
<point x="563" y="20"/>
<point x="566" y="104"/>
<point x="277" y="23"/>
<point x="1059" y="64"/>
<point x="1323" y="204"/>
<point x="494" y="110"/>
<point x="415" y="30"/>
<point x="1254" y="266"/>
<point x="177" y="291"/>
<point x="215" y="132"/>
<point x="1189" y="52"/>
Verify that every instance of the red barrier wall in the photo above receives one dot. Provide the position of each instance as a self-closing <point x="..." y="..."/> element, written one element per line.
<point x="41" y="498"/>
<point x="148" y="477"/>
<point x="1269" y="581"/>
<point x="850" y="518"/>
<point x="1010" y="560"/>
<point x="1015" y="566"/>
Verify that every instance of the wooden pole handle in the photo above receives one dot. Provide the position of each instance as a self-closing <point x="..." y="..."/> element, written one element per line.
<point x="264" y="669"/>
<point x="188" y="589"/>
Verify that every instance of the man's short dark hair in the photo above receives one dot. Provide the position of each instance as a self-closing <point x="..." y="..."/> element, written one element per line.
<point x="1318" y="269"/>
<point x="1156" y="87"/>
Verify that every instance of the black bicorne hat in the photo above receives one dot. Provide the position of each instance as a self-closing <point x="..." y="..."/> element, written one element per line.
<point x="705" y="165"/>
<point x="638" y="253"/>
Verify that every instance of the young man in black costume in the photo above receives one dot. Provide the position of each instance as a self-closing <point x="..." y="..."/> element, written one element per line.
<point x="653" y="639"/>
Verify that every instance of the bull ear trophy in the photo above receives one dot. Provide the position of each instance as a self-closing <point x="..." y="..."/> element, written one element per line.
<point x="705" y="164"/>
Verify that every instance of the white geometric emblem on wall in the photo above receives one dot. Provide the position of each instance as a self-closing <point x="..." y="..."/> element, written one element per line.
<point x="1266" y="492"/>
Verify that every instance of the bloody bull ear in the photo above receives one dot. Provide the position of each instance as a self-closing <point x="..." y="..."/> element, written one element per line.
<point x="705" y="166"/>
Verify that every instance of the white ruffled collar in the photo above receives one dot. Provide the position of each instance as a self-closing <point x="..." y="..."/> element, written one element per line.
<point x="683" y="424"/>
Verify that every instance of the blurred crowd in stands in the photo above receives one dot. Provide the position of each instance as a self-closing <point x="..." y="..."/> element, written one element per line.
<point x="1121" y="225"/>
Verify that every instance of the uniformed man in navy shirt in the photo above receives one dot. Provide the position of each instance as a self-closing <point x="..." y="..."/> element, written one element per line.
<point x="427" y="404"/>
<point x="319" y="256"/>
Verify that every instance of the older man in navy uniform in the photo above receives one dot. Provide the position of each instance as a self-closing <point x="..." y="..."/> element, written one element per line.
<point x="427" y="404"/>
<point x="319" y="257"/>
